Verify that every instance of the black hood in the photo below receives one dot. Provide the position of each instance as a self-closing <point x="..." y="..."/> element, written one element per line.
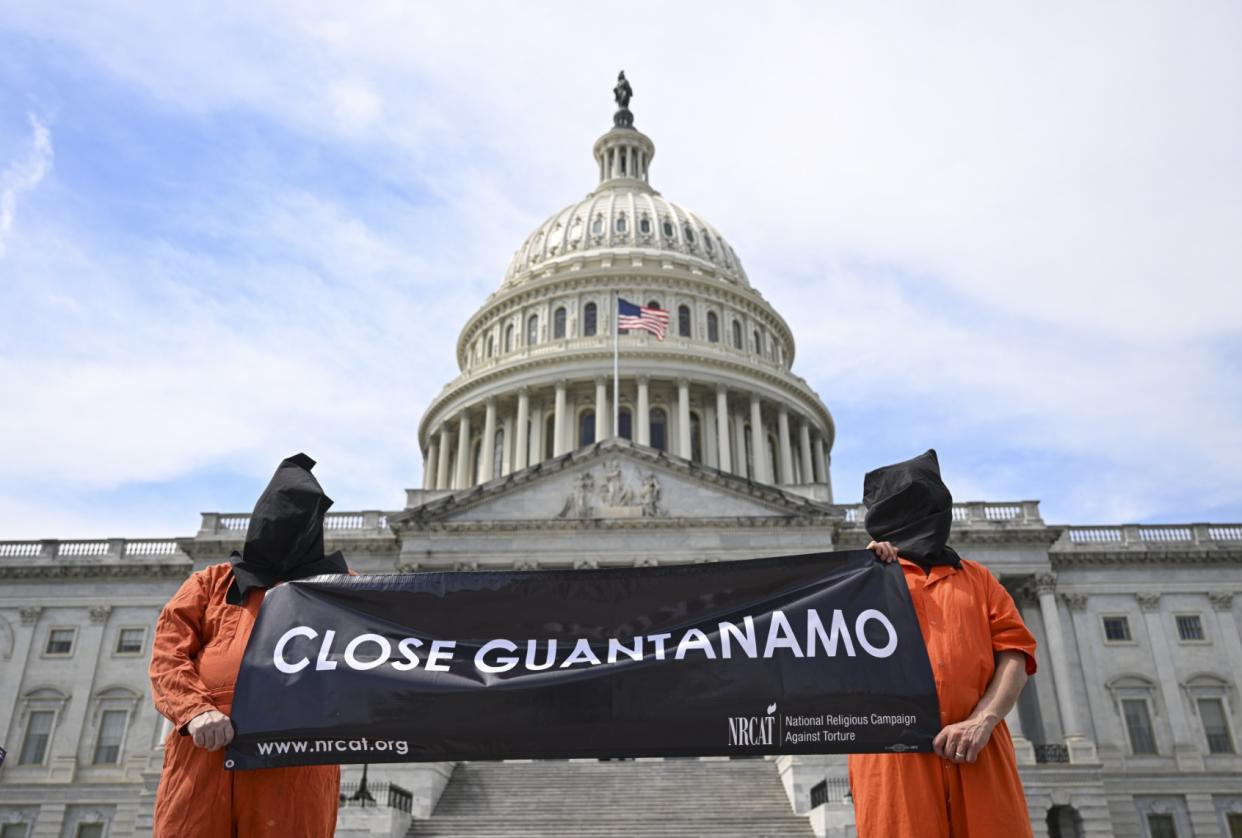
<point x="909" y="505"/>
<point x="285" y="537"/>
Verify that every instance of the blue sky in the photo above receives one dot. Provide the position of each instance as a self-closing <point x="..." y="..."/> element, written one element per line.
<point x="231" y="233"/>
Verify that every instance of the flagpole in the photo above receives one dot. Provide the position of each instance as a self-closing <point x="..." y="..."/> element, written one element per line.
<point x="616" y="364"/>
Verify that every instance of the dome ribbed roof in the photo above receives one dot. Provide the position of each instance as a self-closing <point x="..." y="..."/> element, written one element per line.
<point x="625" y="218"/>
<point x="625" y="214"/>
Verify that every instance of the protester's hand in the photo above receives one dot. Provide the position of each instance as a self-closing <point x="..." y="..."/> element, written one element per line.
<point x="211" y="730"/>
<point x="963" y="741"/>
<point x="884" y="551"/>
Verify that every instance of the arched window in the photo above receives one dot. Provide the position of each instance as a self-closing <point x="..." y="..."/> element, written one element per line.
<point x="659" y="428"/>
<point x="622" y="224"/>
<point x="696" y="438"/>
<point x="597" y="226"/>
<point x="707" y="242"/>
<point x="644" y="225"/>
<point x="474" y="461"/>
<point x="683" y="321"/>
<point x="509" y="338"/>
<point x="498" y="452"/>
<point x="558" y="323"/>
<point x="586" y="428"/>
<point x="713" y="327"/>
<point x="491" y="345"/>
<point x="737" y="335"/>
<point x="688" y="232"/>
<point x="653" y="304"/>
<point x="758" y="343"/>
<point x="532" y="330"/>
<point x="590" y="319"/>
<point x="626" y="423"/>
<point x="668" y="229"/>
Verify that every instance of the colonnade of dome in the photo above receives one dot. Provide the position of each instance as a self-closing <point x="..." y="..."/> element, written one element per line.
<point x="537" y="359"/>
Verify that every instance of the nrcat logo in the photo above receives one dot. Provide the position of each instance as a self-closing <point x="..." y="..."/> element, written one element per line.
<point x="749" y="731"/>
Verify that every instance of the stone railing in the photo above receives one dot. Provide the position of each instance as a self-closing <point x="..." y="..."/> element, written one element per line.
<point x="973" y="512"/>
<point x="111" y="549"/>
<point x="230" y="524"/>
<point x="1152" y="535"/>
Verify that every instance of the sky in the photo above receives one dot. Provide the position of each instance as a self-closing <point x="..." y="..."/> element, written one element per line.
<point x="232" y="231"/>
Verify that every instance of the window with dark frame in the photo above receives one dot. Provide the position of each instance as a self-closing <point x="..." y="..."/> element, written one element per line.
<point x="1215" y="726"/>
<point x="1189" y="627"/>
<point x="625" y="423"/>
<point x="659" y="429"/>
<point x="38" y="733"/>
<point x="89" y="830"/>
<point x="111" y="734"/>
<point x="60" y="642"/>
<point x="713" y="327"/>
<point x="1138" y="725"/>
<point x="1117" y="629"/>
<point x="129" y="641"/>
<point x="21" y="829"/>
<point x="558" y="323"/>
<point x="590" y="319"/>
<point x="683" y="321"/>
<point x="586" y="428"/>
<point x="1161" y="825"/>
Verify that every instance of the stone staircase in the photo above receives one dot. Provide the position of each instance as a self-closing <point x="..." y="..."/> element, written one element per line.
<point x="676" y="798"/>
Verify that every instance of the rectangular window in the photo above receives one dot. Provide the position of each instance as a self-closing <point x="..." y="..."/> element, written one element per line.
<point x="111" y="732"/>
<point x="1235" y="825"/>
<point x="60" y="642"/>
<point x="15" y="830"/>
<point x="129" y="641"/>
<point x="89" y="830"/>
<point x="1212" y="712"/>
<point x="1138" y="723"/>
<point x="1161" y="826"/>
<point x="1189" y="627"/>
<point x="1117" y="629"/>
<point x="38" y="732"/>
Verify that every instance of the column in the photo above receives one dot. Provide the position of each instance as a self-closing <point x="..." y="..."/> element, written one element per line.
<point x="1185" y="742"/>
<point x="537" y="418"/>
<point x="739" y="444"/>
<point x="708" y="442"/>
<point x="430" y="464"/>
<point x="758" y="444"/>
<point x="722" y="427"/>
<point x="804" y="445"/>
<point x="487" y="451"/>
<point x="521" y="436"/>
<point x="506" y="458"/>
<point x="463" y="452"/>
<point x="821" y="465"/>
<point x="442" y="467"/>
<point x="786" y="452"/>
<point x="601" y="408"/>
<point x="683" y="418"/>
<point x="642" y="422"/>
<point x="1227" y="625"/>
<point x="1045" y="586"/>
<point x="558" y="422"/>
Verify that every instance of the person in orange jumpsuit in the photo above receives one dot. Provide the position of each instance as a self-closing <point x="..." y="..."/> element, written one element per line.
<point x="981" y="656"/>
<point x="199" y="641"/>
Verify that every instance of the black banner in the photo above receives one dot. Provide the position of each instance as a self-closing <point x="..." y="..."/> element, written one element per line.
<point x="804" y="654"/>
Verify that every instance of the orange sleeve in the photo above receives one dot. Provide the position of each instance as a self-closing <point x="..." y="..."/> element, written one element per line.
<point x="178" y="692"/>
<point x="1008" y="630"/>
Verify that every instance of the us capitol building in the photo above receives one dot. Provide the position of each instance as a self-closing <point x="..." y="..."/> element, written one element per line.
<point x="718" y="451"/>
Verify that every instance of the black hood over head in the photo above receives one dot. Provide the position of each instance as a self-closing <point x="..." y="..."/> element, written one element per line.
<point x="909" y="505"/>
<point x="285" y="538"/>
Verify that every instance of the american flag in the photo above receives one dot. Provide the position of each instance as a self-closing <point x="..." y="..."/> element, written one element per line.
<point x="630" y="316"/>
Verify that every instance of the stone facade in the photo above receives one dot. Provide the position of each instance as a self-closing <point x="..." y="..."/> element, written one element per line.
<point x="716" y="451"/>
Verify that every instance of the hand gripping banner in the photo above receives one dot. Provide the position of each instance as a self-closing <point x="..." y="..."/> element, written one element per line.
<point x="803" y="654"/>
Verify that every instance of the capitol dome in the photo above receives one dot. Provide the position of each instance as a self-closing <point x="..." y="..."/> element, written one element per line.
<point x="537" y="359"/>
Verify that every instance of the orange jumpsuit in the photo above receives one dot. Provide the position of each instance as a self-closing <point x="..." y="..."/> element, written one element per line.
<point x="966" y="618"/>
<point x="198" y="648"/>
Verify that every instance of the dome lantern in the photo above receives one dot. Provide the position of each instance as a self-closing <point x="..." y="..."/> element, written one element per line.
<point x="624" y="153"/>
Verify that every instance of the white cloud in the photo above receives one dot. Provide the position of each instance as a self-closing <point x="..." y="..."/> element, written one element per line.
<point x="1049" y="196"/>
<point x="24" y="174"/>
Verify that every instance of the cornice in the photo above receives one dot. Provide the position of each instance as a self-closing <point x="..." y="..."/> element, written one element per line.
<point x="1142" y="558"/>
<point x="96" y="571"/>
<point x="592" y="524"/>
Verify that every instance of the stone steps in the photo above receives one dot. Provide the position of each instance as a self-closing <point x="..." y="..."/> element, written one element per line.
<point x="676" y="798"/>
